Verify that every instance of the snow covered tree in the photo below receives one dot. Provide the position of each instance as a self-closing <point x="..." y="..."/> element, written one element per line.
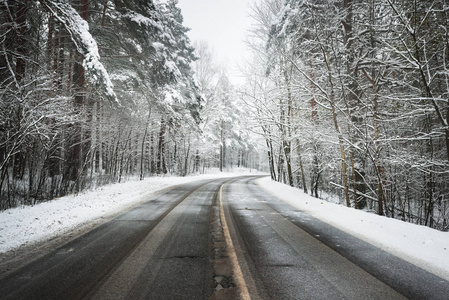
<point x="374" y="72"/>
<point x="225" y="140"/>
<point x="87" y="87"/>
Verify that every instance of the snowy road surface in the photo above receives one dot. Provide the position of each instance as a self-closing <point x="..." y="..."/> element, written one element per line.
<point x="175" y="246"/>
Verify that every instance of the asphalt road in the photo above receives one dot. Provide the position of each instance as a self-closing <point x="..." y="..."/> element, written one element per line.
<point x="218" y="239"/>
<point x="286" y="254"/>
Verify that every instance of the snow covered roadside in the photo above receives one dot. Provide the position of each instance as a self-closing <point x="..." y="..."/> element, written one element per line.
<point x="24" y="226"/>
<point x="419" y="245"/>
<point x="27" y="225"/>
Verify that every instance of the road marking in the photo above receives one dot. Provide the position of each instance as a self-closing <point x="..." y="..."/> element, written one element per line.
<point x="238" y="275"/>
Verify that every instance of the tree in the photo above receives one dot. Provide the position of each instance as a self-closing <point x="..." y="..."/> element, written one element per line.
<point x="86" y="88"/>
<point x="375" y="72"/>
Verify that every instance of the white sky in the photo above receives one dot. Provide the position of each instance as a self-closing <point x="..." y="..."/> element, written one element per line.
<point x="223" y="25"/>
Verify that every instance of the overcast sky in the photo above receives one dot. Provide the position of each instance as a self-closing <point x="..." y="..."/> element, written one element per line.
<point x="223" y="24"/>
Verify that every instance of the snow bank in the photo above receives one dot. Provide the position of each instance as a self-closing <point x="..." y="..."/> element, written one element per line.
<point x="422" y="246"/>
<point x="30" y="224"/>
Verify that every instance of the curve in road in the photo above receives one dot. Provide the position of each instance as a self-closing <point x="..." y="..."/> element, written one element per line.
<point x="218" y="239"/>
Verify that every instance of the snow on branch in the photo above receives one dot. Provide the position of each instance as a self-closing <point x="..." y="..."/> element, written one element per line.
<point x="78" y="29"/>
<point x="142" y="20"/>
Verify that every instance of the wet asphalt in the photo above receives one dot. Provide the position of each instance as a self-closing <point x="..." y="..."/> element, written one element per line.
<point x="292" y="255"/>
<point x="158" y="250"/>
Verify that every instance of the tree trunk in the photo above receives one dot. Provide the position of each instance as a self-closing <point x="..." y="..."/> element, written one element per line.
<point x="337" y="128"/>
<point x="21" y="48"/>
<point x="303" y="176"/>
<point x="222" y="146"/>
<point x="280" y="164"/>
<point x="79" y="81"/>
<point x="152" y="166"/>
<point x="289" y="117"/>
<point x="379" y="167"/>
<point x="161" y="168"/>
<point x="287" y="153"/>
<point x="142" y="154"/>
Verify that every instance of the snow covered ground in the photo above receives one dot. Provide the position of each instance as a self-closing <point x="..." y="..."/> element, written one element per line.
<point x="24" y="226"/>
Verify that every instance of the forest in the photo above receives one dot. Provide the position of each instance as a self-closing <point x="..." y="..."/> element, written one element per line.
<point x="342" y="98"/>
<point x="352" y="100"/>
<point x="94" y="92"/>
